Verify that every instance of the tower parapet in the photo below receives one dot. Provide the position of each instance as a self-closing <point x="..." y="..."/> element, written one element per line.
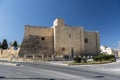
<point x="58" y="22"/>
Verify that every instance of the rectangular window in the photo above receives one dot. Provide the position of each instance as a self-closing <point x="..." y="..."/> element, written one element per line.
<point x="43" y="38"/>
<point x="86" y="40"/>
<point x="69" y="35"/>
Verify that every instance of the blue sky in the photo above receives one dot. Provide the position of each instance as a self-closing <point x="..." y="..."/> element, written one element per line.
<point x="96" y="15"/>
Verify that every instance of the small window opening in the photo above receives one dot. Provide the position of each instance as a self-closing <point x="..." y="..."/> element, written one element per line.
<point x="45" y="48"/>
<point x="86" y="40"/>
<point x="69" y="35"/>
<point x="43" y="38"/>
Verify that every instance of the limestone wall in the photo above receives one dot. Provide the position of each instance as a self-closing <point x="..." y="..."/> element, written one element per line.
<point x="38" y="31"/>
<point x="92" y="45"/>
<point x="67" y="38"/>
<point x="8" y="53"/>
<point x="118" y="53"/>
<point x="37" y="42"/>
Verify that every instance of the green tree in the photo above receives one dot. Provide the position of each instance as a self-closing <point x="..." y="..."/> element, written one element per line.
<point x="4" y="44"/>
<point x="15" y="44"/>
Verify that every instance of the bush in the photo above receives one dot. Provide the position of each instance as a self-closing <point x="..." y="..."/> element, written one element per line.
<point x="113" y="59"/>
<point x="95" y="58"/>
<point x="104" y="57"/>
<point x="84" y="60"/>
<point x="78" y="60"/>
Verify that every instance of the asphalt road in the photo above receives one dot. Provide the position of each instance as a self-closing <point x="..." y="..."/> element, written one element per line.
<point x="82" y="72"/>
<point x="46" y="71"/>
<point x="10" y="72"/>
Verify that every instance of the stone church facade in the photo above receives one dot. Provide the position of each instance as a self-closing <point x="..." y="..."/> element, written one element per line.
<point x="59" y="40"/>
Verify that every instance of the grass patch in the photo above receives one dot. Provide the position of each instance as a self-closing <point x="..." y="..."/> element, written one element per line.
<point x="89" y="62"/>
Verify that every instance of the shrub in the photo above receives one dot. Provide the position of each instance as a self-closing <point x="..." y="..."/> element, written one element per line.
<point x="84" y="60"/>
<point x="113" y="59"/>
<point x="105" y="57"/>
<point x="78" y="60"/>
<point x="111" y="56"/>
<point x="97" y="58"/>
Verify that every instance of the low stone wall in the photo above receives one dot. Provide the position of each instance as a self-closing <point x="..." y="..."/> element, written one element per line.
<point x="9" y="53"/>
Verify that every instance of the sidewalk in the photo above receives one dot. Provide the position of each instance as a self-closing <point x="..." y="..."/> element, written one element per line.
<point x="62" y="63"/>
<point x="8" y="64"/>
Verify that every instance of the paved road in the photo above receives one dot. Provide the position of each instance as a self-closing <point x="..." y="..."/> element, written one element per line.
<point x="46" y="71"/>
<point x="93" y="72"/>
<point x="10" y="72"/>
